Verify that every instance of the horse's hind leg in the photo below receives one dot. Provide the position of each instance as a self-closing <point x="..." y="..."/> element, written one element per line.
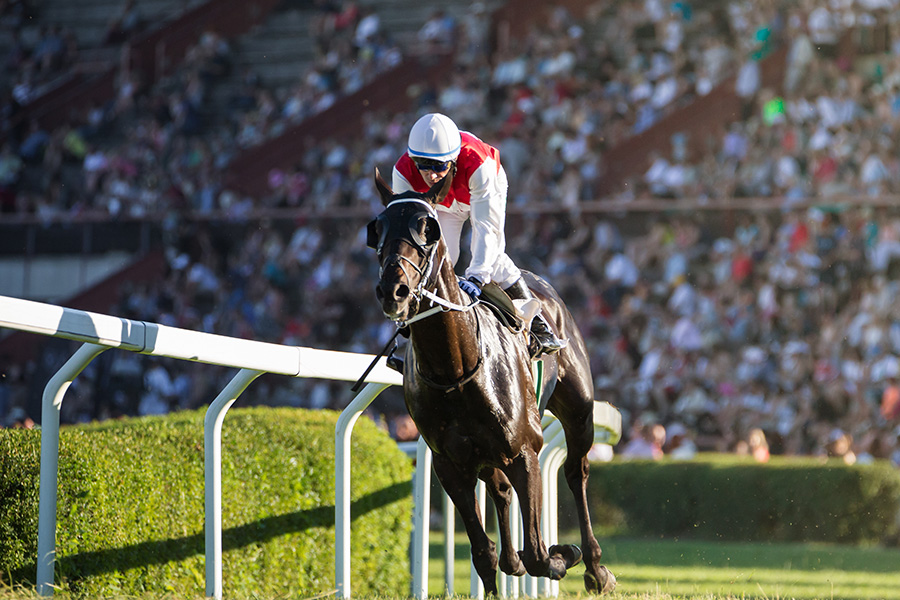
<point x="501" y="493"/>
<point x="460" y="486"/>
<point x="579" y="429"/>
<point x="597" y="578"/>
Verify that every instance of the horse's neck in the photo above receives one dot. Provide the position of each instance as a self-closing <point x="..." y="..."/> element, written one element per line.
<point x="446" y="343"/>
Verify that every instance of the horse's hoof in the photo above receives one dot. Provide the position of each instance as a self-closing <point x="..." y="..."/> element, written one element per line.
<point x="596" y="587"/>
<point x="569" y="553"/>
<point x="556" y="567"/>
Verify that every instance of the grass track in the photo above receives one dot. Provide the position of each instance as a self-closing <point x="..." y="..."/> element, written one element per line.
<point x="708" y="570"/>
<point x="677" y="570"/>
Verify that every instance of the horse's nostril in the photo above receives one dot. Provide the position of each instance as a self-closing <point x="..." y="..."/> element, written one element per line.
<point x="393" y="292"/>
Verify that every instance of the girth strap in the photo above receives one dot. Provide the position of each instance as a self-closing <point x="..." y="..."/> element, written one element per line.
<point x="466" y="377"/>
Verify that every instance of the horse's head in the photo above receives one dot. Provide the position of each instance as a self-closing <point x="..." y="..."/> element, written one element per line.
<point x="406" y="236"/>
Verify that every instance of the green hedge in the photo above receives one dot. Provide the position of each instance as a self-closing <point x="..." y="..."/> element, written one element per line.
<point x="721" y="497"/>
<point x="130" y="514"/>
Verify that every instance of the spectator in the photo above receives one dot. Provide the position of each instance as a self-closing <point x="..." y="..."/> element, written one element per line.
<point x="11" y="167"/>
<point x="402" y="428"/>
<point x="756" y="446"/>
<point x="367" y="29"/>
<point x="800" y="55"/>
<point x="645" y="441"/>
<point x="35" y="143"/>
<point x="19" y="419"/>
<point x="747" y="85"/>
<point x="126" y="23"/>
<point x="438" y="34"/>
<point x="679" y="444"/>
<point x="840" y="445"/>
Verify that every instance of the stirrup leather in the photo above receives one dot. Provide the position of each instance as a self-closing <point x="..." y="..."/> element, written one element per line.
<point x="541" y="339"/>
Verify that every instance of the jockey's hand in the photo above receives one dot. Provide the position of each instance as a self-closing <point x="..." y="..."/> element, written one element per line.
<point x="471" y="286"/>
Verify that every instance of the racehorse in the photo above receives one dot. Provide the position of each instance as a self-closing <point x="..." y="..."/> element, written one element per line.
<point x="469" y="387"/>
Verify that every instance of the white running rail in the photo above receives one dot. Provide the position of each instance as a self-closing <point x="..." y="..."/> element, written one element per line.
<point x="100" y="332"/>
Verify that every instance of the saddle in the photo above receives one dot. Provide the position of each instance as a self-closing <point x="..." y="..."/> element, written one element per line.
<point x="493" y="296"/>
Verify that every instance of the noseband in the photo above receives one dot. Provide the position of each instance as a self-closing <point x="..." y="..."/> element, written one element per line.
<point x="425" y="246"/>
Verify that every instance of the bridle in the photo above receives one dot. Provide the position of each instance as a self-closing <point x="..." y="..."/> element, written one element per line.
<point x="427" y="270"/>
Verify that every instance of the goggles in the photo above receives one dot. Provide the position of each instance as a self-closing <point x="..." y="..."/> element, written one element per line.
<point x="427" y="164"/>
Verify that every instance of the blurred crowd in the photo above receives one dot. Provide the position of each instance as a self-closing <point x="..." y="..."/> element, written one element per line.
<point x="828" y="133"/>
<point x="35" y="54"/>
<point x="752" y="331"/>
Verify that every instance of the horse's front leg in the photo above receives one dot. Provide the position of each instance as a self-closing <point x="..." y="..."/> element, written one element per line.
<point x="460" y="486"/>
<point x="525" y="475"/>
<point x="501" y="493"/>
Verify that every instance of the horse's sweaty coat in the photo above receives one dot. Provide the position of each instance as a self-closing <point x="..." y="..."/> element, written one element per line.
<point x="469" y="388"/>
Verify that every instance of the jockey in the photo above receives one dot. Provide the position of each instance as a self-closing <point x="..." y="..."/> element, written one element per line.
<point x="478" y="192"/>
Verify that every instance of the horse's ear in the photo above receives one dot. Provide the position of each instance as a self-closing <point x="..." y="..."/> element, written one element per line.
<point x="384" y="190"/>
<point x="439" y="191"/>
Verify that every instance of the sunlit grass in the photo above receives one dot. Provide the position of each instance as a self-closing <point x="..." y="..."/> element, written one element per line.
<point x="670" y="570"/>
<point x="692" y="569"/>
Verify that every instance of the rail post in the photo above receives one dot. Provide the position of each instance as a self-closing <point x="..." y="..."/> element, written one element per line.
<point x="212" y="460"/>
<point x="343" y="431"/>
<point x="421" y="514"/>
<point x="51" y="403"/>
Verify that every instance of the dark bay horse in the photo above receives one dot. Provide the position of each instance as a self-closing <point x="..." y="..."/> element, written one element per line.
<point x="469" y="387"/>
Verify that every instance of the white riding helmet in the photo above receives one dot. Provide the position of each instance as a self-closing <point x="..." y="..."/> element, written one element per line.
<point x="435" y="137"/>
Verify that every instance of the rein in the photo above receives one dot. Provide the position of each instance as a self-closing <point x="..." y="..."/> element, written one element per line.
<point x="442" y="306"/>
<point x="359" y="382"/>
<point x="427" y="277"/>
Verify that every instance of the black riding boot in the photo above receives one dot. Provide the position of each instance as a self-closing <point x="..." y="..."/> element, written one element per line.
<point x="395" y="362"/>
<point x="540" y="329"/>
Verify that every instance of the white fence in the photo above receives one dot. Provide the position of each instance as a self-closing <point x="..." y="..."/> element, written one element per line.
<point x="102" y="332"/>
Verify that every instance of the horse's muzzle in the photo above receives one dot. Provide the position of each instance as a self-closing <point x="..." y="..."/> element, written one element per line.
<point x="394" y="298"/>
